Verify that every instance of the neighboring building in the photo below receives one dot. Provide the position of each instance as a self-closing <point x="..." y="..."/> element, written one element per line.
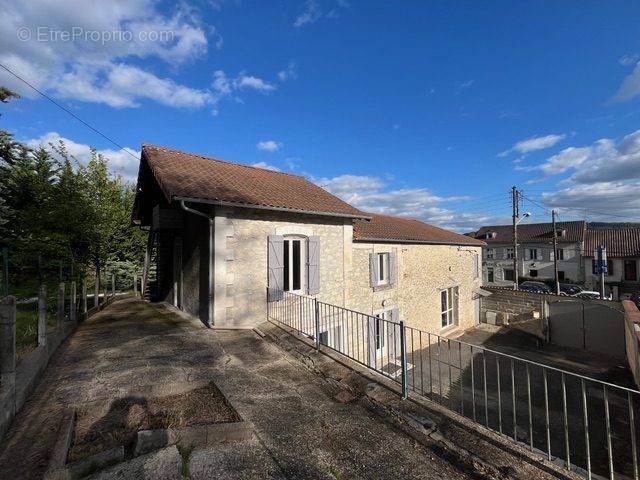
<point x="535" y="252"/>
<point x="622" y="242"/>
<point x="274" y="230"/>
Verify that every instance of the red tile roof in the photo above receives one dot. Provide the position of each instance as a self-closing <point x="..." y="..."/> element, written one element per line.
<point x="619" y="242"/>
<point x="186" y="175"/>
<point x="534" y="232"/>
<point x="387" y="228"/>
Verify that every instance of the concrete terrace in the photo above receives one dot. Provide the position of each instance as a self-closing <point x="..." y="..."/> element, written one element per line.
<point x="314" y="418"/>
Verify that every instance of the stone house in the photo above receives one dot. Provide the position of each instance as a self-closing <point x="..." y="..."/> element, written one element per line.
<point x="222" y="236"/>
<point x="622" y="242"/>
<point x="535" y="252"/>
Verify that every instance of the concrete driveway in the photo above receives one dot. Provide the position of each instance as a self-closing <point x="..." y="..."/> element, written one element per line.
<point x="133" y="347"/>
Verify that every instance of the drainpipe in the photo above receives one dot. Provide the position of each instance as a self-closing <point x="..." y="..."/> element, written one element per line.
<point x="210" y="279"/>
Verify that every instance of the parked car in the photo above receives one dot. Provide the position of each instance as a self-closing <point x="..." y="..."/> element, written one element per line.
<point x="570" y="288"/>
<point x="534" y="287"/>
<point x="590" y="295"/>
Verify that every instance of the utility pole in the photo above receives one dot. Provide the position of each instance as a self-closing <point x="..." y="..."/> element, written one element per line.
<point x="555" y="252"/>
<point x="516" y="216"/>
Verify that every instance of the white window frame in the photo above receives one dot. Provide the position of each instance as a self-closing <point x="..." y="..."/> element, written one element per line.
<point x="476" y="266"/>
<point x="534" y="253"/>
<point x="383" y="268"/>
<point x="448" y="315"/>
<point x="380" y="332"/>
<point x="491" y="252"/>
<point x="508" y="253"/>
<point x="559" y="254"/>
<point x="303" y="263"/>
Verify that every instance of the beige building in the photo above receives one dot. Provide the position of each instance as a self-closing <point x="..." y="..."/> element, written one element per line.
<point x="224" y="238"/>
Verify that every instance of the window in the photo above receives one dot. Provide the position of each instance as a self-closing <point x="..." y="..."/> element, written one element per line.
<point x="508" y="275"/>
<point x="561" y="275"/>
<point x="490" y="276"/>
<point x="630" y="270"/>
<point x="381" y="330"/>
<point x="490" y="253"/>
<point x="294" y="264"/>
<point x="508" y="252"/>
<point x="532" y="254"/>
<point x="610" y="266"/>
<point x="448" y="306"/>
<point x="533" y="273"/>
<point x="560" y="254"/>
<point x="383" y="268"/>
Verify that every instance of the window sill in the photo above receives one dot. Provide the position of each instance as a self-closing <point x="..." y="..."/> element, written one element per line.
<point x="449" y="329"/>
<point x="383" y="287"/>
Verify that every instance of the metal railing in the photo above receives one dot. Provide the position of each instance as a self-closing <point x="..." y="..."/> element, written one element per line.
<point x="586" y="424"/>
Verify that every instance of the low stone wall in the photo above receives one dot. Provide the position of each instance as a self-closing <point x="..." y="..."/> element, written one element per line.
<point x="511" y="306"/>
<point x="18" y="380"/>
<point x="632" y="338"/>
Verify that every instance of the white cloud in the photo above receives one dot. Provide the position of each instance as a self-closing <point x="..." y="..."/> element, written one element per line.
<point x="603" y="161"/>
<point x="254" y="83"/>
<point x="310" y="13"/>
<point x="629" y="59"/>
<point x="95" y="65"/>
<point x="269" y="146"/>
<point x="630" y="86"/>
<point x="533" y="144"/>
<point x="376" y="195"/>
<point x="465" y="84"/>
<point x="125" y="86"/>
<point x="289" y="73"/>
<point x="266" y="166"/>
<point x="124" y="163"/>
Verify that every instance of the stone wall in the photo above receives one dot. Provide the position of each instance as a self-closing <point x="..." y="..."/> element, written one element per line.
<point x="632" y="338"/>
<point x="510" y="304"/>
<point x="241" y="260"/>
<point x="423" y="272"/>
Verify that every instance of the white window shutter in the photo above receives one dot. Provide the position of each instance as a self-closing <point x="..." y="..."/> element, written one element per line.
<point x="313" y="265"/>
<point x="393" y="335"/>
<point x="552" y="255"/>
<point x="371" y="340"/>
<point x="393" y="267"/>
<point x="527" y="254"/>
<point x="373" y="269"/>
<point x="275" y="266"/>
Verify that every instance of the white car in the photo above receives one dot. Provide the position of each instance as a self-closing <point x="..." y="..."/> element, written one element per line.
<point x="590" y="295"/>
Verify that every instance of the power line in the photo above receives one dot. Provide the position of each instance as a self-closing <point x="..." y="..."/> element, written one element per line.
<point x="44" y="95"/>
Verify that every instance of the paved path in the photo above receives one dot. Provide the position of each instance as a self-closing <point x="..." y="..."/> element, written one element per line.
<point x="134" y="347"/>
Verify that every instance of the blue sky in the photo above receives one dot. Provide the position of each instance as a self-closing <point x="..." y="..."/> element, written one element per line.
<point x="427" y="109"/>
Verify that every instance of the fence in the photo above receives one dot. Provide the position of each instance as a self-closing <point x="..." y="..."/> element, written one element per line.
<point x="21" y="365"/>
<point x="586" y="424"/>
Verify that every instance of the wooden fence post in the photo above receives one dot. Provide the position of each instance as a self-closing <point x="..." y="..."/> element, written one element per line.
<point x="7" y="359"/>
<point x="42" y="315"/>
<point x="96" y="292"/>
<point x="60" y="304"/>
<point x="84" y="296"/>
<point x="72" y="303"/>
<point x="8" y="342"/>
<point x="135" y="284"/>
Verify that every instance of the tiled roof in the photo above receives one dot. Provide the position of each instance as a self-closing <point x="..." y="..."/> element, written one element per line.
<point x="387" y="228"/>
<point x="619" y="241"/>
<point x="534" y="232"/>
<point x="187" y="175"/>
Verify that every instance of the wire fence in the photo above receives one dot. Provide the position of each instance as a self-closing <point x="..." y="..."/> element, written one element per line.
<point x="36" y="280"/>
<point x="585" y="424"/>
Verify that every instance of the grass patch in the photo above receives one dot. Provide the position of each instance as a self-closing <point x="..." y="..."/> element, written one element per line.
<point x="185" y="452"/>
